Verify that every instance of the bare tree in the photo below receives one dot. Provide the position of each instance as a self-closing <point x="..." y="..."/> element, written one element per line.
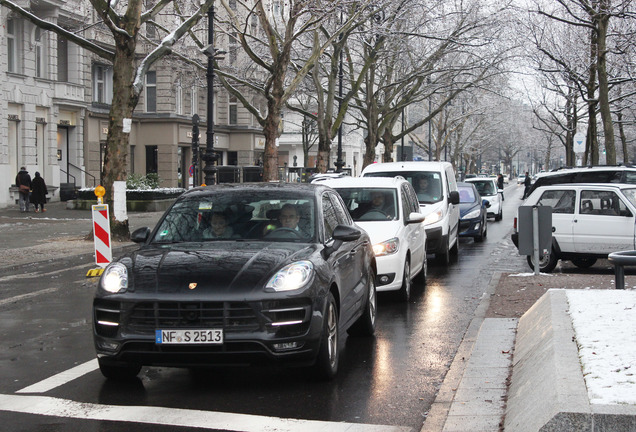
<point x="124" y="22"/>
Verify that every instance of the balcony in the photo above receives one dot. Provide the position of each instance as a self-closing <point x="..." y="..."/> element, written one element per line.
<point x="69" y="91"/>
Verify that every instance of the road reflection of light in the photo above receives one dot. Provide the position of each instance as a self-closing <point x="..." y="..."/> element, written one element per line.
<point x="382" y="372"/>
<point x="435" y="300"/>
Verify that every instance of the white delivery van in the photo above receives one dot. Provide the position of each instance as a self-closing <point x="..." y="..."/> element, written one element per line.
<point x="436" y="189"/>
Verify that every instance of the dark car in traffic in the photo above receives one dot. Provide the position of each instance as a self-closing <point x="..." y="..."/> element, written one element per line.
<point x="473" y="212"/>
<point x="238" y="274"/>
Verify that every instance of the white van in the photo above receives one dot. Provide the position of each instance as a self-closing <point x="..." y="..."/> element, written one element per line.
<point x="436" y="189"/>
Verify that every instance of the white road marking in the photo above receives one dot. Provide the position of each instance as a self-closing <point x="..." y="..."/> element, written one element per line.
<point x="211" y="420"/>
<point x="35" y="274"/>
<point x="17" y="298"/>
<point x="61" y="378"/>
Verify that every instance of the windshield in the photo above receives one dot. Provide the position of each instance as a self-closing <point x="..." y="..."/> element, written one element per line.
<point x="485" y="187"/>
<point x="427" y="184"/>
<point x="238" y="215"/>
<point x="466" y="194"/>
<point x="370" y="204"/>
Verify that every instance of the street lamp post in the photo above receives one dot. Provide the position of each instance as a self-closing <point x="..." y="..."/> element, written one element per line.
<point x="339" y="162"/>
<point x="402" y="155"/>
<point x="210" y="156"/>
<point x="429" y="129"/>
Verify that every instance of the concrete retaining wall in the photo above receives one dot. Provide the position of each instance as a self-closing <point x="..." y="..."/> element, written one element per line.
<point x="547" y="389"/>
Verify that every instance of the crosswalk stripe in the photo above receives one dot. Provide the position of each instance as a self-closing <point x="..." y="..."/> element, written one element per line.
<point x="211" y="420"/>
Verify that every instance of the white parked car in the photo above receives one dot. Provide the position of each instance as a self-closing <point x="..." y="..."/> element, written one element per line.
<point x="436" y="189"/>
<point x="487" y="188"/>
<point x="589" y="221"/>
<point x="388" y="210"/>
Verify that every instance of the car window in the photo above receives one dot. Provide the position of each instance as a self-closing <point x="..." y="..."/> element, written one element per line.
<point x="604" y="203"/>
<point x="341" y="214"/>
<point x="599" y="177"/>
<point x="561" y="201"/>
<point x="330" y="218"/>
<point x="427" y="184"/>
<point x="631" y="195"/>
<point x="466" y="194"/>
<point x="370" y="204"/>
<point x="231" y="216"/>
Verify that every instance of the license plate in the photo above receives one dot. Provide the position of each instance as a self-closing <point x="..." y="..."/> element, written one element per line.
<point x="181" y="337"/>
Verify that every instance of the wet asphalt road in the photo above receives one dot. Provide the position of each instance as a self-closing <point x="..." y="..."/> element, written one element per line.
<point x="388" y="380"/>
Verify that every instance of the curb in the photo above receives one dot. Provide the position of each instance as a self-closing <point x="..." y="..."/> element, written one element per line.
<point x="438" y="414"/>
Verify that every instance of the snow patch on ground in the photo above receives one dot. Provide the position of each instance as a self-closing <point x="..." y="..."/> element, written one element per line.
<point x="604" y="323"/>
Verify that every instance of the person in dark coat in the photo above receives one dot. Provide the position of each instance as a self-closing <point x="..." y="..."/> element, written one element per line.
<point x="527" y="182"/>
<point x="23" y="182"/>
<point x="38" y="192"/>
<point x="500" y="184"/>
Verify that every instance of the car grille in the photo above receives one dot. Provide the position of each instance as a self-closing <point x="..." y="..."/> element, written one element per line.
<point x="231" y="316"/>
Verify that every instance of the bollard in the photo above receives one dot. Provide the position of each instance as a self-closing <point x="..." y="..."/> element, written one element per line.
<point x="620" y="260"/>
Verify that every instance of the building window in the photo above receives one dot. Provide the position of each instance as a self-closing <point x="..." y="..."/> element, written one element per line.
<point x="233" y="48"/>
<point x="40" y="53"/>
<point x="178" y="98"/>
<point x="233" y="111"/>
<point x="102" y="84"/>
<point x="13" y="45"/>
<point x="194" y="105"/>
<point x="151" y="91"/>
<point x="132" y="158"/>
<point x="62" y="60"/>
<point x="152" y="159"/>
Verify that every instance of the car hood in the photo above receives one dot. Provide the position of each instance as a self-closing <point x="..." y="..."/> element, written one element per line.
<point x="222" y="267"/>
<point x="380" y="231"/>
<point x="465" y="208"/>
<point x="427" y="209"/>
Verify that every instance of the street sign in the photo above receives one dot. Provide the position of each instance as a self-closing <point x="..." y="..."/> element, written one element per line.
<point x="579" y="142"/>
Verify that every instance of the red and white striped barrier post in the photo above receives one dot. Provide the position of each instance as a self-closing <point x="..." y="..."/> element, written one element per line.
<point x="101" y="230"/>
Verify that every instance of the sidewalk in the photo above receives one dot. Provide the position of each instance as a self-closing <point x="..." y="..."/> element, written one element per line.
<point x="58" y="231"/>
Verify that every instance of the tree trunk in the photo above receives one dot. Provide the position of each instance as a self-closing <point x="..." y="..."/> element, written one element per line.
<point x="591" y="150"/>
<point x="270" y="162"/>
<point x="603" y="86"/>
<point x="122" y="107"/>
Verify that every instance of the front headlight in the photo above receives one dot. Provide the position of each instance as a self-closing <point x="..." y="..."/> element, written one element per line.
<point x="388" y="247"/>
<point x="472" y="215"/>
<point x="291" y="277"/>
<point x="115" y="278"/>
<point x="436" y="216"/>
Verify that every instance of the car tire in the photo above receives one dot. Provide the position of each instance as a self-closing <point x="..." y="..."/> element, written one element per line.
<point x="546" y="265"/>
<point x="454" y="250"/>
<point x="444" y="257"/>
<point x="405" y="289"/>
<point x="365" y="325"/>
<point x="584" y="262"/>
<point x="118" y="371"/>
<point x="326" y="365"/>
<point x="421" y="276"/>
<point x="484" y="232"/>
<point x="499" y="216"/>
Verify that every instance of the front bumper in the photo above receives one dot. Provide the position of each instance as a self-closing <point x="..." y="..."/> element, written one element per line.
<point x="436" y="241"/>
<point x="287" y="330"/>
<point x="469" y="227"/>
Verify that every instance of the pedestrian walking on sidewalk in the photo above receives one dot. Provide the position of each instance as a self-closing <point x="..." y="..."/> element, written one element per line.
<point x="527" y="182"/>
<point x="38" y="192"/>
<point x="23" y="182"/>
<point x="500" y="185"/>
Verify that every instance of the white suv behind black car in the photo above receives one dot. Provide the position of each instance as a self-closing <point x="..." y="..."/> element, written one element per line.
<point x="589" y="221"/>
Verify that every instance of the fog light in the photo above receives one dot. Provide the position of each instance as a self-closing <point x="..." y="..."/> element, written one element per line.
<point x="108" y="346"/>
<point x="384" y="279"/>
<point x="285" y="346"/>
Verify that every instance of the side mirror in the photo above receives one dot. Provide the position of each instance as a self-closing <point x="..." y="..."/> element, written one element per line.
<point x="346" y="233"/>
<point x="341" y="234"/>
<point x="454" y="197"/>
<point x="415" y="217"/>
<point x="140" y="235"/>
